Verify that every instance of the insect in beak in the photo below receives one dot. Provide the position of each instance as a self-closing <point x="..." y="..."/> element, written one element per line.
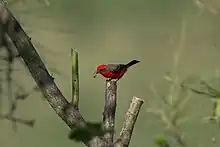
<point x="95" y="74"/>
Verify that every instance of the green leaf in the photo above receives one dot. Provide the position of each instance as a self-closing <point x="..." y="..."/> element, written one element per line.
<point x="161" y="141"/>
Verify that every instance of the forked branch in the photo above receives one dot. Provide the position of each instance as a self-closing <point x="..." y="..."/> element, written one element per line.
<point x="68" y="112"/>
<point x="51" y="92"/>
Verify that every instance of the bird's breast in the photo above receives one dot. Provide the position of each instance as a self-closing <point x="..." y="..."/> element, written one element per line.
<point x="114" y="75"/>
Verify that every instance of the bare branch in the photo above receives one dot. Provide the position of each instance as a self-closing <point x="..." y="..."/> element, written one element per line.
<point x="157" y="95"/>
<point x="129" y="122"/>
<point x="109" y="110"/>
<point x="75" y="78"/>
<point x="26" y="50"/>
<point x="10" y="46"/>
<point x="65" y="110"/>
<point x="15" y="120"/>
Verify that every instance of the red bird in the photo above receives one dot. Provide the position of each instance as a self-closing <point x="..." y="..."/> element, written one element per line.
<point x="113" y="71"/>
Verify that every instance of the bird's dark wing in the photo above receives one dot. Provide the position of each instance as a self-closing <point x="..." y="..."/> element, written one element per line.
<point x="115" y="67"/>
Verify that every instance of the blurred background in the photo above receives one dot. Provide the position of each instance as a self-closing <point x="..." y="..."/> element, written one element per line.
<point x="114" y="31"/>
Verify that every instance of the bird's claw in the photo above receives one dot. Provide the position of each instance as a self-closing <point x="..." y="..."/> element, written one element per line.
<point x="108" y="80"/>
<point x="115" y="80"/>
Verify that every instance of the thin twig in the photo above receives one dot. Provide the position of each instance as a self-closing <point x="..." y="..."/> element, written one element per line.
<point x="15" y="120"/>
<point x="157" y="95"/>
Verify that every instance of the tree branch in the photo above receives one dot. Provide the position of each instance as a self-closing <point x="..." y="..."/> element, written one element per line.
<point x="65" y="110"/>
<point x="129" y="122"/>
<point x="109" y="110"/>
<point x="9" y="45"/>
<point x="15" y="120"/>
<point x="26" y="50"/>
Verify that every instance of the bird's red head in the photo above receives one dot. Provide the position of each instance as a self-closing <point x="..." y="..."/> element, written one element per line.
<point x="100" y="69"/>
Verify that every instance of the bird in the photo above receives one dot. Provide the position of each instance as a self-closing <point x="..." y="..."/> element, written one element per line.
<point x="113" y="71"/>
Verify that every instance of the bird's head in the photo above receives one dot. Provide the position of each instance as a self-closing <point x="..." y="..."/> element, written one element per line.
<point x="101" y="68"/>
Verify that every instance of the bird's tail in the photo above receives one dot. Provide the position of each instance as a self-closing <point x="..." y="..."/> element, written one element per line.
<point x="133" y="62"/>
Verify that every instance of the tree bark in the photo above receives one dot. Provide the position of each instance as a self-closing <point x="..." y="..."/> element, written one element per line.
<point x="65" y="110"/>
<point x="26" y="50"/>
<point x="109" y="110"/>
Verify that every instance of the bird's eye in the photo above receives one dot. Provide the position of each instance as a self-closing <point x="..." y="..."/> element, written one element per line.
<point x="101" y="69"/>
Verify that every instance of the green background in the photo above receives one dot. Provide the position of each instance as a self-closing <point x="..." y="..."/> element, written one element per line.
<point x="115" y="31"/>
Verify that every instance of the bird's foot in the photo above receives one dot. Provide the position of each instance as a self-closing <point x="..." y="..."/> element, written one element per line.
<point x="108" y="80"/>
<point x="116" y="80"/>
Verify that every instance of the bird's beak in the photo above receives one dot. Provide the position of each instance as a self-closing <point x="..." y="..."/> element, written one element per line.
<point x="95" y="74"/>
